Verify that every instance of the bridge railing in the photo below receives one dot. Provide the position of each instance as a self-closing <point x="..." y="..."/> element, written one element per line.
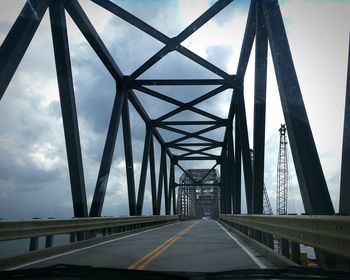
<point x="326" y="233"/>
<point x="78" y="228"/>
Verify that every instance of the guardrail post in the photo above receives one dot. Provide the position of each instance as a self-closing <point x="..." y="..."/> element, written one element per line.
<point x="257" y="235"/>
<point x="48" y="241"/>
<point x="72" y="237"/>
<point x="269" y="241"/>
<point x="285" y="247"/>
<point x="295" y="252"/>
<point x="34" y="243"/>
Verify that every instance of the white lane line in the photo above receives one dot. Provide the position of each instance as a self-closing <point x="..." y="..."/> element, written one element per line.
<point x="88" y="247"/>
<point x="245" y="249"/>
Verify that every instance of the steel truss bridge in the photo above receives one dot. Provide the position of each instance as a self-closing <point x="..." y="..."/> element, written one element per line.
<point x="321" y="228"/>
<point x="198" y="194"/>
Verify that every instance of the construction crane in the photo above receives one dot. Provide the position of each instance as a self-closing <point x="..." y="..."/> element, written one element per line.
<point x="267" y="209"/>
<point x="282" y="185"/>
<point x="282" y="174"/>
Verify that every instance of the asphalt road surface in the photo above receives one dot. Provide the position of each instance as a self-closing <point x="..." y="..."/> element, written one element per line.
<point x="198" y="246"/>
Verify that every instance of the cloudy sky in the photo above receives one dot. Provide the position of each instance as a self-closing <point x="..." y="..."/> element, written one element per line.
<point x="34" y="179"/>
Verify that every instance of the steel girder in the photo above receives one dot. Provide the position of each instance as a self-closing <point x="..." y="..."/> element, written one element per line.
<point x="344" y="197"/>
<point x="18" y="39"/>
<point x="259" y="111"/>
<point x="69" y="113"/>
<point x="313" y="187"/>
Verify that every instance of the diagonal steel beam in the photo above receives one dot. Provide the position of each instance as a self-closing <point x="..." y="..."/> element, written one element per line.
<point x="68" y="108"/>
<point x="197" y="135"/>
<point x="313" y="186"/>
<point x="184" y="132"/>
<point x="158" y="95"/>
<point x="206" y="175"/>
<point x="174" y="43"/>
<point x="237" y="164"/>
<point x="182" y="106"/>
<point x="189" y="105"/>
<point x="171" y="43"/>
<point x="188" y="174"/>
<point x="129" y="163"/>
<point x="107" y="156"/>
<point x="166" y="189"/>
<point x="344" y="197"/>
<point x="18" y="39"/>
<point x="247" y="166"/>
<point x="248" y="40"/>
<point x="143" y="114"/>
<point x="87" y="29"/>
<point x="247" y="44"/>
<point x="142" y="185"/>
<point x="212" y="146"/>
<point x="199" y="151"/>
<point x="153" y="177"/>
<point x="160" y="181"/>
<point x="95" y="41"/>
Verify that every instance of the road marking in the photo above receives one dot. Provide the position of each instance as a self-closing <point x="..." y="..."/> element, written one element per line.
<point x="147" y="259"/>
<point x="245" y="249"/>
<point x="88" y="247"/>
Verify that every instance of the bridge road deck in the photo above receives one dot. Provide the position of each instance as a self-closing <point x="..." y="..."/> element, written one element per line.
<point x="199" y="246"/>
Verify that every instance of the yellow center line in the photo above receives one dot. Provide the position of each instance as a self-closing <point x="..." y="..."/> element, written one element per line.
<point x="146" y="260"/>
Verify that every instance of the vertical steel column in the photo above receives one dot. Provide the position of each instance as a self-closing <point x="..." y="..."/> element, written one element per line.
<point x="142" y="185"/>
<point x="231" y="162"/>
<point x="310" y="175"/>
<point x="222" y="184"/>
<point x="129" y="158"/>
<point x="170" y="193"/>
<point x="226" y="180"/>
<point x="238" y="171"/>
<point x="259" y="110"/>
<point x="230" y="168"/>
<point x="107" y="156"/>
<point x="247" y="166"/>
<point x="224" y="177"/>
<point x="166" y="190"/>
<point x="18" y="39"/>
<point x="172" y="185"/>
<point x="344" y="205"/>
<point x="153" y="177"/>
<point x="160" y="181"/>
<point x="69" y="113"/>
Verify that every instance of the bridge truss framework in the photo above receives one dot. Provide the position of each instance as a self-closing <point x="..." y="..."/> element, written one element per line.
<point x="198" y="194"/>
<point x="264" y="24"/>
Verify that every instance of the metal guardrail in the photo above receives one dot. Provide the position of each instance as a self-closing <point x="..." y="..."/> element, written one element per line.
<point x="11" y="230"/>
<point x="327" y="233"/>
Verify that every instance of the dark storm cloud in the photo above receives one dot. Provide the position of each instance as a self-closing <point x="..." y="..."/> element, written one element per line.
<point x="33" y="165"/>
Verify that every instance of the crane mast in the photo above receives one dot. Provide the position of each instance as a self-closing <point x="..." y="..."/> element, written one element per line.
<point x="282" y="174"/>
